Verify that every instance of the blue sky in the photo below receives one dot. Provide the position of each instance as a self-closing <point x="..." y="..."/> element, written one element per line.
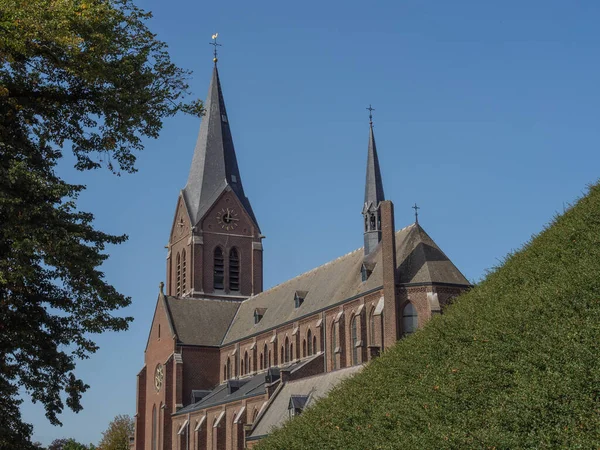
<point x="486" y="116"/>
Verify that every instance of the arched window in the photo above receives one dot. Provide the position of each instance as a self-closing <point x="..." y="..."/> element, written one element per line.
<point x="372" y="327"/>
<point x="228" y="369"/>
<point x="287" y="350"/>
<point x="354" y="340"/>
<point x="219" y="274"/>
<point x="334" y="345"/>
<point x="261" y="362"/>
<point x="178" y="288"/>
<point x="303" y="348"/>
<point x="234" y="270"/>
<point x="183" y="273"/>
<point x="314" y="346"/>
<point x="154" y="428"/>
<point x="292" y="356"/>
<point x="281" y="360"/>
<point x="225" y="371"/>
<point x="266" y="363"/>
<point x="269" y="359"/>
<point x="410" y="319"/>
<point x="309" y="340"/>
<point x="246" y="362"/>
<point x="242" y="371"/>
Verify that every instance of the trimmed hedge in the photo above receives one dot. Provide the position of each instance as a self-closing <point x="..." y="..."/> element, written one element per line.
<point x="514" y="363"/>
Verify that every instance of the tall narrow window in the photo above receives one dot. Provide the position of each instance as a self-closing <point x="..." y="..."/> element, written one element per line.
<point x="304" y="348"/>
<point x="234" y="270"/>
<point x="154" y="428"/>
<point x="183" y="272"/>
<point x="261" y="362"/>
<point x="309" y="340"/>
<point x="334" y="346"/>
<point x="287" y="350"/>
<point x="372" y="328"/>
<point x="354" y="341"/>
<point x="314" y="344"/>
<point x="267" y="357"/>
<point x="228" y="368"/>
<point x="219" y="269"/>
<point x="178" y="274"/>
<point x="292" y="356"/>
<point x="246" y="363"/>
<point x="281" y="360"/>
<point x="410" y="319"/>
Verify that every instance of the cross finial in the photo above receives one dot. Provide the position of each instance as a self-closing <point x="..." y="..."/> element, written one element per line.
<point x="416" y="208"/>
<point x="370" y="109"/>
<point x="215" y="44"/>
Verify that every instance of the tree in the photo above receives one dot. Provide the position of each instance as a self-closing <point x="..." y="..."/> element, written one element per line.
<point x="116" y="437"/>
<point x="89" y="76"/>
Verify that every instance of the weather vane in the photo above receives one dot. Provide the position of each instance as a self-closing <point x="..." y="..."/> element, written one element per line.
<point x="370" y="109"/>
<point x="215" y="44"/>
<point x="416" y="208"/>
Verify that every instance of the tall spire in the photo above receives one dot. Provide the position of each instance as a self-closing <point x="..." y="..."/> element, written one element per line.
<point x="373" y="193"/>
<point x="214" y="165"/>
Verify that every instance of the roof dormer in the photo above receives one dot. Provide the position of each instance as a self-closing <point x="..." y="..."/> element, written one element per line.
<point x="299" y="297"/>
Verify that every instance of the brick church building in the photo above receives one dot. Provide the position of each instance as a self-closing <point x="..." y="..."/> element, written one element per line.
<point x="225" y="361"/>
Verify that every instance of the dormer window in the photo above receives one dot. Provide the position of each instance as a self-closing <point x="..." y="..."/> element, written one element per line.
<point x="299" y="297"/>
<point x="297" y="404"/>
<point x="366" y="270"/>
<point x="258" y="314"/>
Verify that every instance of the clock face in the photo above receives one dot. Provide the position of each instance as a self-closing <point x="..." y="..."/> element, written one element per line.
<point x="228" y="219"/>
<point x="158" y="377"/>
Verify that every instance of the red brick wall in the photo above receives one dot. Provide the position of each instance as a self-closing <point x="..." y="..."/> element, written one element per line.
<point x="158" y="351"/>
<point x="200" y="369"/>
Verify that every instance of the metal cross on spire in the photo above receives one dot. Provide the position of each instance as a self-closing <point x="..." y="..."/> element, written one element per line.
<point x="215" y="44"/>
<point x="416" y="208"/>
<point x="370" y="109"/>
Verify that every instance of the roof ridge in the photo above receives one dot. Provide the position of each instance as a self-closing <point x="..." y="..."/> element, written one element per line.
<point x="277" y="286"/>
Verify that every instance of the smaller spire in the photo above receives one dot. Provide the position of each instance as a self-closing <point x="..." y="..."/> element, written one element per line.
<point x="161" y="287"/>
<point x="416" y="208"/>
<point x="215" y="44"/>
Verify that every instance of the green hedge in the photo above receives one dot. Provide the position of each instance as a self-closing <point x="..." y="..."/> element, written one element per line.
<point x="514" y="363"/>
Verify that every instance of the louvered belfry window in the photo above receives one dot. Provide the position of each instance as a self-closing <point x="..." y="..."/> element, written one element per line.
<point x="219" y="274"/>
<point x="178" y="274"/>
<point x="183" y="272"/>
<point x="234" y="270"/>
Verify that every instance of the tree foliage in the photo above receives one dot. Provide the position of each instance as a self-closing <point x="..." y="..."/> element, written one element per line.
<point x="511" y="364"/>
<point x="116" y="436"/>
<point x="85" y="76"/>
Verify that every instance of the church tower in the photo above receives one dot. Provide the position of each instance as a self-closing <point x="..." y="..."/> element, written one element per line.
<point x="215" y="248"/>
<point x="373" y="194"/>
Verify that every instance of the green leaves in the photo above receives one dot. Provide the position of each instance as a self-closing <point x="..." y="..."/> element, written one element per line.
<point x="511" y="364"/>
<point x="90" y="76"/>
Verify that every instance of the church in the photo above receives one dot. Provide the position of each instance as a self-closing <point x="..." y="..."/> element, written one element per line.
<point x="225" y="361"/>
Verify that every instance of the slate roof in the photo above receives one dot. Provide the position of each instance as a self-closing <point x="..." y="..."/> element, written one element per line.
<point x="419" y="260"/>
<point x="374" y="184"/>
<point x="276" y="412"/>
<point x="214" y="164"/>
<point x="197" y="321"/>
<point x="248" y="387"/>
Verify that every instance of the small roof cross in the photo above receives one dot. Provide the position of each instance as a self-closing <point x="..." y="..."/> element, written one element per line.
<point x="370" y="109"/>
<point x="215" y="44"/>
<point x="416" y="208"/>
